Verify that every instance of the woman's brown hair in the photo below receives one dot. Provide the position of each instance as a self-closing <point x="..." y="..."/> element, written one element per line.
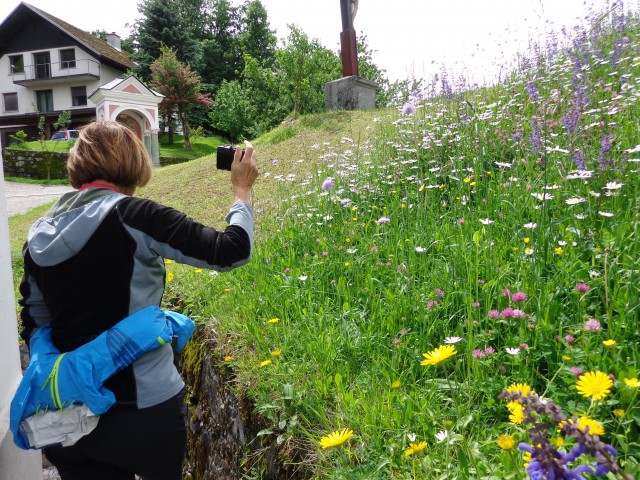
<point x="110" y="151"/>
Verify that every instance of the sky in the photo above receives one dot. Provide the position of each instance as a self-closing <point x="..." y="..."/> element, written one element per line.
<point x="473" y="38"/>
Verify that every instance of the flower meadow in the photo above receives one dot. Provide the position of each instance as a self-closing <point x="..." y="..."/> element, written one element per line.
<point x="459" y="296"/>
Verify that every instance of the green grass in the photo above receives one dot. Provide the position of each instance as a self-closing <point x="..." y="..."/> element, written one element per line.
<point x="46" y="145"/>
<point x="37" y="182"/>
<point x="200" y="146"/>
<point x="434" y="221"/>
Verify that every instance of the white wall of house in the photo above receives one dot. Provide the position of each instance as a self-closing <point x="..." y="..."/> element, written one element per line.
<point x="61" y="86"/>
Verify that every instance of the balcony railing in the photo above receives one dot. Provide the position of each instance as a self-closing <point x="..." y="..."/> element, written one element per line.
<point x="44" y="72"/>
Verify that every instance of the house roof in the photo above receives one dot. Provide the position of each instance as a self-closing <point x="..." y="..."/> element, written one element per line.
<point x="98" y="47"/>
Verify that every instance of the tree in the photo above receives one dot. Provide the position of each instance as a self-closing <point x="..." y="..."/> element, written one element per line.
<point x="232" y="111"/>
<point x="163" y="25"/>
<point x="181" y="86"/>
<point x="304" y="66"/>
<point x="257" y="39"/>
<point x="221" y="53"/>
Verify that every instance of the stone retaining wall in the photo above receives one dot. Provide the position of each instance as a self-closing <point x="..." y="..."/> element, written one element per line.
<point x="35" y="165"/>
<point x="48" y="165"/>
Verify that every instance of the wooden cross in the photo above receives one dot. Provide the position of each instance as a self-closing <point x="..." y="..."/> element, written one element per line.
<point x="348" y="47"/>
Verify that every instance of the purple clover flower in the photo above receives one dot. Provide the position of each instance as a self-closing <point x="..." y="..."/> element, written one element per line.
<point x="519" y="297"/>
<point x="592" y="325"/>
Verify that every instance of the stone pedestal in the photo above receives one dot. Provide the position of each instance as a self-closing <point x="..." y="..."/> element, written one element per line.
<point x="350" y="93"/>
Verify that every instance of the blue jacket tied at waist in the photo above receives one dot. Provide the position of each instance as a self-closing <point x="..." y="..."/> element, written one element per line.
<point x="55" y="381"/>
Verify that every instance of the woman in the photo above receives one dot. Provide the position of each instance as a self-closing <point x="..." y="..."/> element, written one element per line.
<point x="98" y="256"/>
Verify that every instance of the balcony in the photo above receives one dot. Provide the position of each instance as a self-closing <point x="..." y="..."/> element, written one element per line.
<point x="46" y="74"/>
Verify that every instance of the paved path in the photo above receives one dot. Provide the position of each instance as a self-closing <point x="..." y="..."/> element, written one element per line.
<point x="22" y="197"/>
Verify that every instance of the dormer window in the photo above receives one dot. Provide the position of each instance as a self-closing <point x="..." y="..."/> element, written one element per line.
<point x="68" y="58"/>
<point x="16" y="64"/>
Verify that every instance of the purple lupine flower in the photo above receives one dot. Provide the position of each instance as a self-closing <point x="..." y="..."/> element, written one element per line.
<point x="532" y="90"/>
<point x="578" y="158"/>
<point x="605" y="148"/>
<point x="328" y="184"/>
<point x="535" y="140"/>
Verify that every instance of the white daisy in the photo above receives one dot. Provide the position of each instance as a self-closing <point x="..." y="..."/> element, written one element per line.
<point x="574" y="201"/>
<point x="512" y="351"/>
<point x="542" y="196"/>
<point x="606" y="214"/>
<point x="486" y="221"/>
<point x="530" y="225"/>
<point x="420" y="249"/>
<point x="442" y="435"/>
<point x="302" y="278"/>
<point x="613" y="186"/>
<point x="452" y="340"/>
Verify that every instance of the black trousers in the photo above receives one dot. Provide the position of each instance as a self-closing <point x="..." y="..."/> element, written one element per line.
<point x="149" y="442"/>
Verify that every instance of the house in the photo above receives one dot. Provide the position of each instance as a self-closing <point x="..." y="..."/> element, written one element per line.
<point x="48" y="66"/>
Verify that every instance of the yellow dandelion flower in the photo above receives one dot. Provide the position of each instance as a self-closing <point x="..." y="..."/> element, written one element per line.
<point x="596" y="385"/>
<point x="595" y="427"/>
<point x="421" y="188"/>
<point x="395" y="384"/>
<point x="438" y="355"/>
<point x="415" y="448"/>
<point x="558" y="441"/>
<point x="467" y="180"/>
<point x="528" y="250"/>
<point x="618" y="412"/>
<point x="169" y="277"/>
<point x="558" y="250"/>
<point x="506" y="442"/>
<point x="566" y="358"/>
<point x="273" y="320"/>
<point x="228" y="358"/>
<point x="264" y="363"/>
<point x="632" y="382"/>
<point x="336" y="438"/>
<point x="526" y="239"/>
<point x="198" y="270"/>
<point x="609" y="343"/>
<point x="523" y="388"/>
<point x="276" y="353"/>
<point x="473" y="184"/>
<point x="346" y="264"/>
<point x="517" y="414"/>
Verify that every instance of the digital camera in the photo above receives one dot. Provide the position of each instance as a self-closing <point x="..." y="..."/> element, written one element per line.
<point x="224" y="157"/>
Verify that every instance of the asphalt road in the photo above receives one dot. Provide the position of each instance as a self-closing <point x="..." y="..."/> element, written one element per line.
<point x="22" y="197"/>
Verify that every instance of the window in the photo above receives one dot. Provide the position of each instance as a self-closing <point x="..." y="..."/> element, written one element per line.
<point x="78" y="96"/>
<point x="10" y="102"/>
<point x="43" y="64"/>
<point x="16" y="63"/>
<point x="68" y="58"/>
<point x="44" y="100"/>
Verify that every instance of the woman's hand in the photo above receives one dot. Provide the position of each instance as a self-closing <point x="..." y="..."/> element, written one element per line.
<point x="244" y="171"/>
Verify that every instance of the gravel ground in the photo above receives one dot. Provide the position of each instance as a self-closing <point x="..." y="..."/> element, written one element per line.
<point x="22" y="197"/>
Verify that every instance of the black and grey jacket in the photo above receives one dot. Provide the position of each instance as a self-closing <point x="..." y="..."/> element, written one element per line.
<point x="98" y="256"/>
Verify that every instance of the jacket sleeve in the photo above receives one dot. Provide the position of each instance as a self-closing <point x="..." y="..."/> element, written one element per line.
<point x="166" y="232"/>
<point x="34" y="313"/>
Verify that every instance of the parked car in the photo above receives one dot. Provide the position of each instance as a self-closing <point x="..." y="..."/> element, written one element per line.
<point x="65" y="135"/>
